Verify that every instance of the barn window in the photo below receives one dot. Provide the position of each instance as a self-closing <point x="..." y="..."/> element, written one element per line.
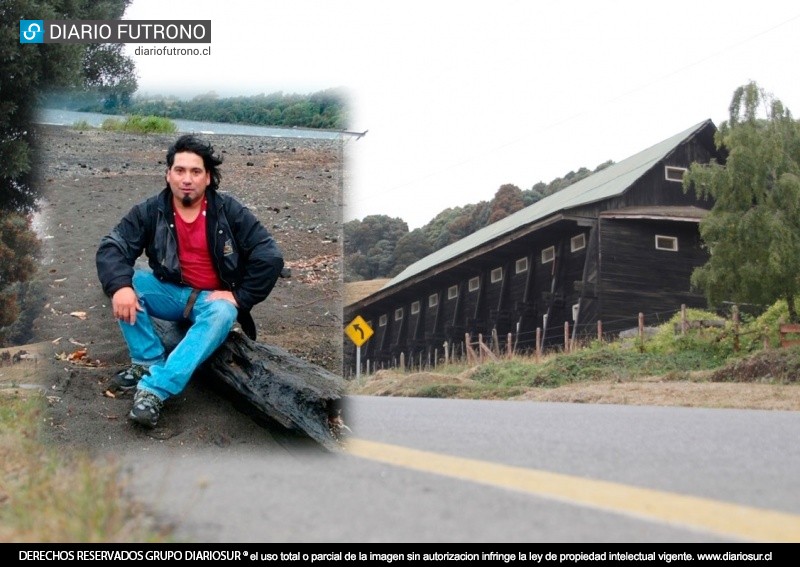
<point x="666" y="243"/>
<point x="577" y="242"/>
<point x="521" y="265"/>
<point x="433" y="300"/>
<point x="398" y="314"/>
<point x="415" y="308"/>
<point x="452" y="292"/>
<point x="497" y="275"/>
<point x="672" y="173"/>
<point x="548" y="255"/>
<point x="474" y="283"/>
<point x="382" y="321"/>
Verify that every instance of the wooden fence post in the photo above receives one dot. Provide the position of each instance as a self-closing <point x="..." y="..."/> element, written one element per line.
<point x="566" y="337"/>
<point x="735" y="328"/>
<point x="509" y="349"/>
<point x="641" y="331"/>
<point x="538" y="343"/>
<point x="683" y="319"/>
<point x="599" y="331"/>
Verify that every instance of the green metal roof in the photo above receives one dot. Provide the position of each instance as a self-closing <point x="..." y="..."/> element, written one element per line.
<point x="609" y="182"/>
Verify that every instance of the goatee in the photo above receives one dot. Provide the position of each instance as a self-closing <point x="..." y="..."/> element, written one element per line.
<point x="186" y="201"/>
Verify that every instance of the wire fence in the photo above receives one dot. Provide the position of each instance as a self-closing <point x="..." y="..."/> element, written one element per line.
<point x="476" y="348"/>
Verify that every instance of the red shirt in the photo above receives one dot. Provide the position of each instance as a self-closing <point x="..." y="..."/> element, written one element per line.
<point x="196" y="266"/>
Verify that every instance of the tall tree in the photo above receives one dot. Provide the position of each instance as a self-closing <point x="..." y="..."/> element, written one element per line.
<point x="410" y="248"/>
<point x="18" y="250"/>
<point x="26" y="72"/>
<point x="374" y="238"/>
<point x="753" y="230"/>
<point x="507" y="200"/>
<point x="111" y="73"/>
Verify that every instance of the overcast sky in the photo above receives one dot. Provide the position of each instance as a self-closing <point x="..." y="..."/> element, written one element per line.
<point x="460" y="98"/>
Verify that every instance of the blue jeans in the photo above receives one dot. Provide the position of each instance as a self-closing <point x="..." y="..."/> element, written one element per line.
<point x="211" y="321"/>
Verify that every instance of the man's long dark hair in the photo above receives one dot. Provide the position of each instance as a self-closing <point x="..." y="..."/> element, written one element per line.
<point x="191" y="143"/>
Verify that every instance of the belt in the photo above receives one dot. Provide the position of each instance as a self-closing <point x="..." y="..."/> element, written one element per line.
<point x="190" y="303"/>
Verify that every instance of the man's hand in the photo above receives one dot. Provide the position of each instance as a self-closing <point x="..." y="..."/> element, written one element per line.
<point x="223" y="294"/>
<point x="125" y="304"/>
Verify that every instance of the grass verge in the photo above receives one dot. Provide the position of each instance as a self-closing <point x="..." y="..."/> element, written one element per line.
<point x="50" y="496"/>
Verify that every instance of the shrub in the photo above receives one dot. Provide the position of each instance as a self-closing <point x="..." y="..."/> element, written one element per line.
<point x="766" y="326"/>
<point x="141" y="125"/>
<point x="82" y="125"/>
<point x="702" y="337"/>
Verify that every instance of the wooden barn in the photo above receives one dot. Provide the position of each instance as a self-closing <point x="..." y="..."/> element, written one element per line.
<point x="620" y="242"/>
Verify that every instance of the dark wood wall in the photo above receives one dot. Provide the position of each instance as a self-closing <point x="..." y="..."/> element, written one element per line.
<point x="636" y="277"/>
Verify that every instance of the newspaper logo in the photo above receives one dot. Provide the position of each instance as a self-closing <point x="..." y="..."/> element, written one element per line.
<point x="31" y="31"/>
<point x="115" y="31"/>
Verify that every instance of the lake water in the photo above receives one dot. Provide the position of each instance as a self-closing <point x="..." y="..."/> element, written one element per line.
<point x="69" y="117"/>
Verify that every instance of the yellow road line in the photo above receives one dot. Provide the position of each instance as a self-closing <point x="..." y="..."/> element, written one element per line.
<point x="727" y="519"/>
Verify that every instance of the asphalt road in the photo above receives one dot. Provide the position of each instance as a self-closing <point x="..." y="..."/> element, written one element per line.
<point x="430" y="470"/>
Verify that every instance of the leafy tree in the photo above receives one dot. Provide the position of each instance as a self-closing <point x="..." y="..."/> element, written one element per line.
<point x="507" y="200"/>
<point x="753" y="230"/>
<point x="479" y="217"/>
<point x="437" y="230"/>
<point x="26" y="72"/>
<point x="19" y="248"/>
<point x="535" y="193"/>
<point x="111" y="73"/>
<point x="410" y="248"/>
<point x="355" y="267"/>
<point x="455" y="223"/>
<point x="374" y="239"/>
<point x="380" y="259"/>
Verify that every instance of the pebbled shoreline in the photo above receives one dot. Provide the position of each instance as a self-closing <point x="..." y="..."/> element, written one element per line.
<point x="91" y="178"/>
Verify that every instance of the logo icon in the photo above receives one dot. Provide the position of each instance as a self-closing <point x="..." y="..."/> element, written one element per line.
<point x="31" y="31"/>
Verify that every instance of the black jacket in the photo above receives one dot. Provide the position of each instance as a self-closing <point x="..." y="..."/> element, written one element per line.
<point x="245" y="255"/>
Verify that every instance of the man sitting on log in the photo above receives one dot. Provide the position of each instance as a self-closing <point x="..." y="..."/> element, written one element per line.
<point x="211" y="261"/>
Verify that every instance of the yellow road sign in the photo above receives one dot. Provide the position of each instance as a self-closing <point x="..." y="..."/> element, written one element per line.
<point x="358" y="330"/>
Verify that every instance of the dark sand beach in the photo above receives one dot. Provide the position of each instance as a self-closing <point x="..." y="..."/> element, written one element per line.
<point x="91" y="178"/>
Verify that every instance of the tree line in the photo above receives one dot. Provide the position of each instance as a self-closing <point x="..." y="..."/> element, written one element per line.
<point x="325" y="109"/>
<point x="380" y="246"/>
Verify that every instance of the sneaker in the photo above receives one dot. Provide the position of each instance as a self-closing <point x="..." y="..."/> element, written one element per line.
<point x="127" y="379"/>
<point x="146" y="408"/>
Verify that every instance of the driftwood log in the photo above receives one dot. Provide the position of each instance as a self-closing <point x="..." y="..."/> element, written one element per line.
<point x="289" y="390"/>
